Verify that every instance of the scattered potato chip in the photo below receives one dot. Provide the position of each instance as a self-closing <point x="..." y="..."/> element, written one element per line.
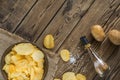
<point x="65" y="55"/>
<point x="49" y="41"/>
<point x="24" y="62"/>
<point x="69" y="76"/>
<point x="80" y="77"/>
<point x="24" y="49"/>
<point x="37" y="55"/>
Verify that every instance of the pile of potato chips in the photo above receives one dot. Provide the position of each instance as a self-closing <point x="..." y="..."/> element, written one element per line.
<point x="72" y="76"/>
<point x="24" y="62"/>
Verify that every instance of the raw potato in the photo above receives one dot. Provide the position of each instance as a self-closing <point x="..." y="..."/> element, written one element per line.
<point x="98" y="32"/>
<point x="65" y="55"/>
<point x="69" y="76"/>
<point x="80" y="77"/>
<point x="49" y="41"/>
<point x="114" y="36"/>
<point x="24" y="64"/>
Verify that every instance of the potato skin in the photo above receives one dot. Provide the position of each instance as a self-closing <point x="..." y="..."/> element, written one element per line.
<point x="114" y="36"/>
<point x="98" y="33"/>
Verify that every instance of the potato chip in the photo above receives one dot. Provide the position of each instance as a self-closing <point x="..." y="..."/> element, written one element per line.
<point x="24" y="49"/>
<point x="28" y="58"/>
<point x="49" y="42"/>
<point x="40" y="63"/>
<point x="6" y="68"/>
<point x="16" y="57"/>
<point x="69" y="76"/>
<point x="8" y="58"/>
<point x="37" y="55"/>
<point x="80" y="77"/>
<point x="65" y="55"/>
<point x="9" y="68"/>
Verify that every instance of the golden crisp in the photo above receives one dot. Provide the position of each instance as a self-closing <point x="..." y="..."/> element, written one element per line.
<point x="80" y="77"/>
<point x="24" y="49"/>
<point x="49" y="41"/>
<point x="8" y="58"/>
<point x="69" y="76"/>
<point x="37" y="55"/>
<point x="24" y="64"/>
<point x="65" y="55"/>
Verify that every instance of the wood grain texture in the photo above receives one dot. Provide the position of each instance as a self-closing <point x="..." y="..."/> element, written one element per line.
<point x="38" y="18"/>
<point x="13" y="11"/>
<point x="99" y="13"/>
<point x="113" y="58"/>
<point x="65" y="21"/>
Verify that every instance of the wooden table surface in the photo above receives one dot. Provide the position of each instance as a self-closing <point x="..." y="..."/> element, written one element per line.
<point x="67" y="21"/>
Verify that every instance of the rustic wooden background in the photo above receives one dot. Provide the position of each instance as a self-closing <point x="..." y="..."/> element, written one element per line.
<point x="67" y="20"/>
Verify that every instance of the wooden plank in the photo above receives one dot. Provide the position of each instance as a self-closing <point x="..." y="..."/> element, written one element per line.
<point x="38" y="18"/>
<point x="99" y="13"/>
<point x="114" y="22"/>
<point x="13" y="11"/>
<point x="64" y="22"/>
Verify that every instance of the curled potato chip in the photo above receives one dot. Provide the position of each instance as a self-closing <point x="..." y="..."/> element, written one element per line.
<point x="80" y="77"/>
<point x="24" y="49"/>
<point x="49" y="42"/>
<point x="37" y="55"/>
<point x="69" y="76"/>
<point x="16" y="57"/>
<point x="65" y="55"/>
<point x="8" y="58"/>
<point x="9" y="68"/>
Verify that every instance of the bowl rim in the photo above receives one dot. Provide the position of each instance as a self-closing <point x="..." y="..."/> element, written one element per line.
<point x="4" y="74"/>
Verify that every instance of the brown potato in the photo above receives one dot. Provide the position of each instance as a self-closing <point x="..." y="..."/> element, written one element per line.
<point x="98" y="32"/>
<point x="114" y="36"/>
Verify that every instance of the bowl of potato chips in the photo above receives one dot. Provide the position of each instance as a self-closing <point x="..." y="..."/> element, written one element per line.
<point x="24" y="61"/>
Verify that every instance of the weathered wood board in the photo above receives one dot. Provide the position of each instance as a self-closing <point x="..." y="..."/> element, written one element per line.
<point x="38" y="18"/>
<point x="12" y="12"/>
<point x="67" y="21"/>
